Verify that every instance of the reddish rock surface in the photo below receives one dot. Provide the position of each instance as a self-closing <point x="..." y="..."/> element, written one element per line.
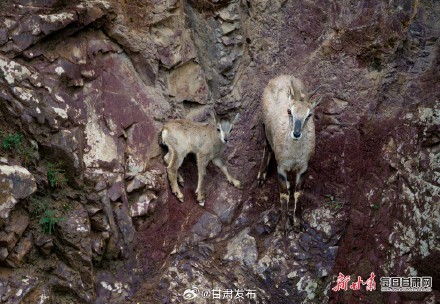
<point x="88" y="85"/>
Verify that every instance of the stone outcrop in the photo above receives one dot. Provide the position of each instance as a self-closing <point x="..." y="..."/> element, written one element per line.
<point x="15" y="183"/>
<point x="89" y="84"/>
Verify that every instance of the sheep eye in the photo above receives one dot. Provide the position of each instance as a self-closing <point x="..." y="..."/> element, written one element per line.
<point x="289" y="112"/>
<point x="218" y="129"/>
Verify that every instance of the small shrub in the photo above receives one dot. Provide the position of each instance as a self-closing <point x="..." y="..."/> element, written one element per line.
<point x="333" y="203"/>
<point x="56" y="175"/>
<point x="11" y="141"/>
<point x="14" y="143"/>
<point x="49" y="220"/>
<point x="27" y="153"/>
<point x="37" y="205"/>
<point x="66" y="207"/>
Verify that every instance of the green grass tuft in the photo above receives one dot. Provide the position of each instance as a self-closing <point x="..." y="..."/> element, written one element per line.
<point x="11" y="141"/>
<point x="48" y="221"/>
<point x="56" y="175"/>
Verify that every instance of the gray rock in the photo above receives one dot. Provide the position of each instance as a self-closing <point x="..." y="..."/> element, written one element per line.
<point x="187" y="82"/>
<point x="112" y="288"/>
<point x="3" y="36"/>
<point x="17" y="288"/>
<point x="71" y="282"/>
<point x="225" y="202"/>
<point x="15" y="183"/>
<point x="124" y="223"/>
<point x="74" y="245"/>
<point x="144" y="205"/>
<point x="17" y="256"/>
<point x="242" y="248"/>
<point x="227" y="27"/>
<point x="205" y="249"/>
<point x="3" y="253"/>
<point x="5" y="290"/>
<point x="65" y="147"/>
<point x="325" y="222"/>
<point x="13" y="230"/>
<point x="99" y="222"/>
<point x="151" y="180"/>
<point x="226" y="64"/>
<point x="228" y="41"/>
<point x="44" y="243"/>
<point x="116" y="190"/>
<point x="98" y="244"/>
<point x="208" y="226"/>
<point x="229" y="13"/>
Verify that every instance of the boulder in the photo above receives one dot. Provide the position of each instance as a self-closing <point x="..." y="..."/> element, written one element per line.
<point x="75" y="246"/>
<point x="242" y="248"/>
<point x="44" y="243"/>
<point x="208" y="226"/>
<point x="99" y="222"/>
<point x="13" y="230"/>
<point x="15" y="183"/>
<point x="151" y="180"/>
<point x="17" y="257"/>
<point x="70" y="281"/>
<point x="145" y="205"/>
<point x="16" y="289"/>
<point x="187" y="82"/>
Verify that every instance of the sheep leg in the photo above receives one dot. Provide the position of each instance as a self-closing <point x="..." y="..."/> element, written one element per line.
<point x="264" y="166"/>
<point x="175" y="161"/>
<point x="297" y="220"/>
<point x="219" y="163"/>
<point x="201" y="166"/>
<point x="284" y="187"/>
<point x="166" y="158"/>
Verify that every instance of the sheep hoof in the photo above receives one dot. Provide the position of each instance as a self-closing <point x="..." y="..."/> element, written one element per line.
<point x="179" y="197"/>
<point x="237" y="184"/>
<point x="180" y="180"/>
<point x="200" y="198"/>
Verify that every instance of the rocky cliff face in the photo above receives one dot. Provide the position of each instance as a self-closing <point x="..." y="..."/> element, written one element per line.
<point x="86" y="213"/>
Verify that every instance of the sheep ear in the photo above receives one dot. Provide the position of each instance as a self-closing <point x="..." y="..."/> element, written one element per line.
<point x="295" y="87"/>
<point x="237" y="116"/>
<point x="316" y="101"/>
<point x="214" y="115"/>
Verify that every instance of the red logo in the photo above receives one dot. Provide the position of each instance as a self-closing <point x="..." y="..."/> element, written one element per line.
<point x="342" y="283"/>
